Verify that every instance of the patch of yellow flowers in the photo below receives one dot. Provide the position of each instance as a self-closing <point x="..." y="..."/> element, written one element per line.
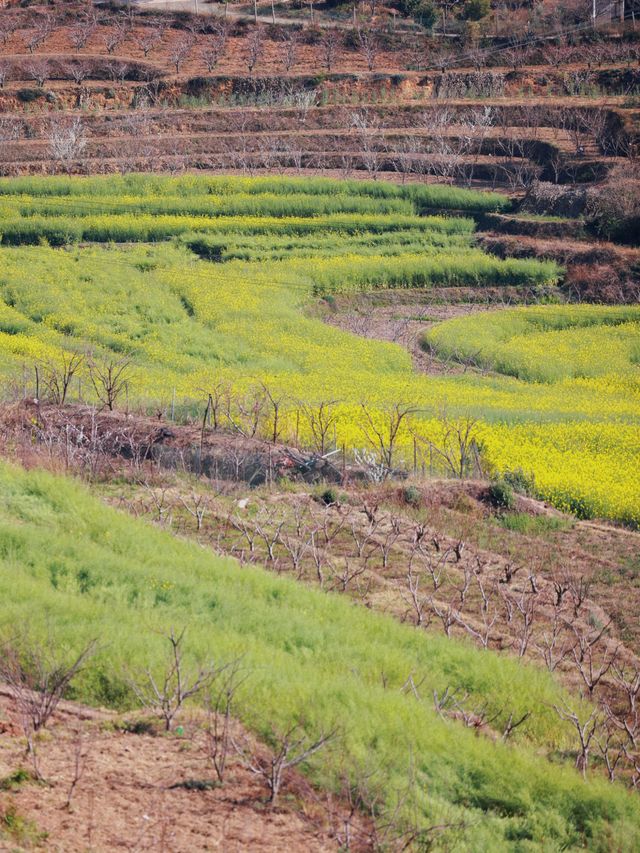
<point x="561" y="402"/>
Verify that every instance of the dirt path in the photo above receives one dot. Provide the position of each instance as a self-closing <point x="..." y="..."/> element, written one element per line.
<point x="402" y="317"/>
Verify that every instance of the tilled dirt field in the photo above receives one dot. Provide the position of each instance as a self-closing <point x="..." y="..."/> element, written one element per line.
<point x="148" y="791"/>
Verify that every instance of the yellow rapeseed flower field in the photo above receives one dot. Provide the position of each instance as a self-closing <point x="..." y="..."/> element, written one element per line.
<point x="558" y="397"/>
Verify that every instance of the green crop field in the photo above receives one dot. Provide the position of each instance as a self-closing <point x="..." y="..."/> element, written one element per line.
<point x="202" y="281"/>
<point x="74" y="570"/>
<point x="544" y="344"/>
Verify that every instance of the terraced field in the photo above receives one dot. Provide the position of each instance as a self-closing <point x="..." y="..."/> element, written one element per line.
<point x="94" y="90"/>
<point x="220" y="307"/>
<point x="326" y="462"/>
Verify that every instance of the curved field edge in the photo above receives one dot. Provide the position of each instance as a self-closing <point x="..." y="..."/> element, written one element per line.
<point x="547" y="343"/>
<point x="72" y="569"/>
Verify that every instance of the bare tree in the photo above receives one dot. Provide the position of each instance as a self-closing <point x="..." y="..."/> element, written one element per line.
<point x="369" y="45"/>
<point x="513" y="723"/>
<point x="152" y="36"/>
<point x="115" y="35"/>
<point x="81" y="33"/>
<point x="255" y="48"/>
<point x="38" y="677"/>
<point x="321" y="420"/>
<point x="78" y="72"/>
<point x="329" y="44"/>
<point x="319" y="557"/>
<point x="555" y="54"/>
<point x="40" y="30"/>
<point x="38" y="70"/>
<point x="214" y="46"/>
<point x="291" y="748"/>
<point x="370" y="140"/>
<point x="110" y="379"/>
<point x="611" y="750"/>
<point x="10" y="25"/>
<point x="518" y="170"/>
<point x="381" y="428"/>
<point x="418" y="601"/>
<point x="269" y="529"/>
<point x="362" y="536"/>
<point x="67" y="140"/>
<point x="58" y="375"/>
<point x="80" y="761"/>
<point x="578" y="588"/>
<point x="219" y="703"/>
<point x="627" y="681"/>
<point x="345" y="573"/>
<point x="446" y="613"/>
<point x="118" y="71"/>
<point x="166" y="695"/>
<point x="275" y="402"/>
<point x="482" y="631"/>
<point x="456" y="445"/>
<point x="586" y="726"/>
<point x="290" y="42"/>
<point x="525" y="607"/>
<point x="553" y="644"/>
<point x="515" y="57"/>
<point x="303" y="100"/>
<point x="180" y="50"/>
<point x="592" y="662"/>
<point x="197" y="507"/>
<point x="218" y="401"/>
<point x="248" y="415"/>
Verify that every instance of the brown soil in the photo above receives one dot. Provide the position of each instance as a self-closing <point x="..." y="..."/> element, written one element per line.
<point x="104" y="442"/>
<point x="403" y="316"/>
<point x="131" y="793"/>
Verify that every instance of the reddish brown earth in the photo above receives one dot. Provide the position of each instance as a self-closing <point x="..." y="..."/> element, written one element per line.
<point x="130" y="795"/>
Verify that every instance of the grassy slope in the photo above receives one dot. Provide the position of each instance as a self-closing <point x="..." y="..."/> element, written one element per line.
<point x="72" y="567"/>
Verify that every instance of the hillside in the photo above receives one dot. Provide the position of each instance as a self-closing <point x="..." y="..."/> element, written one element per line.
<point x="319" y="426"/>
<point x="310" y="658"/>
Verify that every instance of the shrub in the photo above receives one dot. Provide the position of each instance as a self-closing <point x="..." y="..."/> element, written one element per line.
<point x="501" y="495"/>
<point x="329" y="496"/>
<point x="26" y="96"/>
<point x="412" y="495"/>
<point x="596" y="283"/>
<point x="16" y="779"/>
<point x="523" y="484"/>
<point x="614" y="209"/>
